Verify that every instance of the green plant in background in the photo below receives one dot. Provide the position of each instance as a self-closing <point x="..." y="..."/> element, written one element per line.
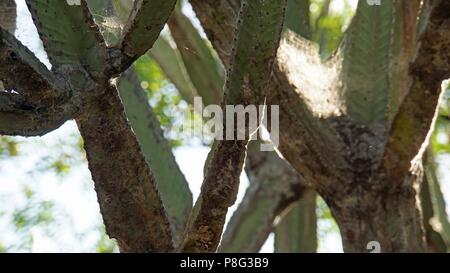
<point x="350" y="125"/>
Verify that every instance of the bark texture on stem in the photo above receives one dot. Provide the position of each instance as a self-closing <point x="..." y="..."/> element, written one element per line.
<point x="33" y="101"/>
<point x="390" y="218"/>
<point x="431" y="66"/>
<point x="126" y="189"/>
<point x="257" y="39"/>
<point x="8" y="11"/>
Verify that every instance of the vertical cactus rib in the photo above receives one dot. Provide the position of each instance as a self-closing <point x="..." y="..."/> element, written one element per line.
<point x="71" y="38"/>
<point x="296" y="232"/>
<point x="197" y="57"/>
<point x="257" y="40"/>
<point x="172" y="65"/>
<point x="434" y="226"/>
<point x="366" y="62"/>
<point x="171" y="183"/>
<point x="144" y="25"/>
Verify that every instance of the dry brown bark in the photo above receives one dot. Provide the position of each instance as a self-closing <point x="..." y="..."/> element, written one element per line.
<point x="126" y="189"/>
<point x="247" y="76"/>
<point x="8" y="11"/>
<point x="34" y="101"/>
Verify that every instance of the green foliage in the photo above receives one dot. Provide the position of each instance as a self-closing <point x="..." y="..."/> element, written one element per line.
<point x="34" y="213"/>
<point x="9" y="147"/>
<point x="257" y="39"/>
<point x="439" y="219"/>
<point x="328" y="27"/>
<point x="164" y="100"/>
<point x="104" y="243"/>
<point x="170" y="61"/>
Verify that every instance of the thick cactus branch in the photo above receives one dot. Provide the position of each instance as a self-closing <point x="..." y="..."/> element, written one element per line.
<point x="430" y="67"/>
<point x="127" y="192"/>
<point x="257" y="40"/>
<point x="18" y="117"/>
<point x="34" y="101"/>
<point x="218" y="19"/>
<point x="366" y="62"/>
<point x="22" y="71"/>
<point x="8" y="10"/>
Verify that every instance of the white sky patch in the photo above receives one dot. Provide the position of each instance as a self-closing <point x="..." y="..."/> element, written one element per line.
<point x="27" y="33"/>
<point x="338" y="6"/>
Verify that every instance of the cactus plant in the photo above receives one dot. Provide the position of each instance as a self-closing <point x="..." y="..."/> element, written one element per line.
<point x="353" y="127"/>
